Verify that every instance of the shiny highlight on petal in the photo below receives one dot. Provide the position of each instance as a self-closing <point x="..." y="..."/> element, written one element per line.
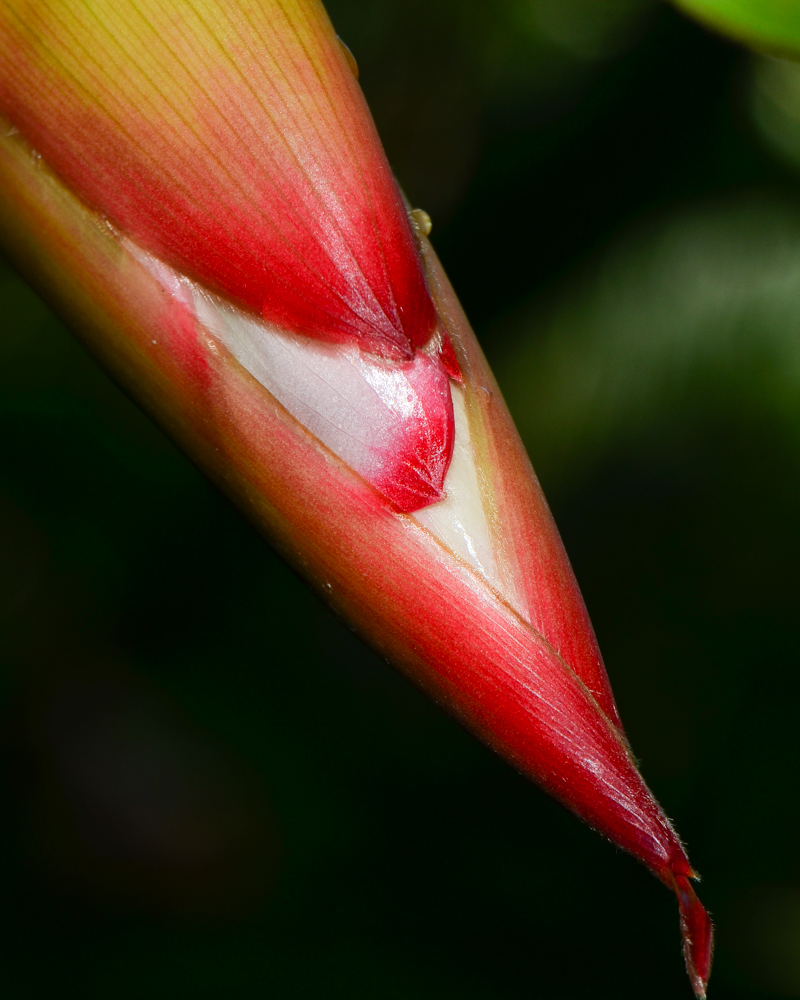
<point x="391" y="422"/>
<point x="229" y="141"/>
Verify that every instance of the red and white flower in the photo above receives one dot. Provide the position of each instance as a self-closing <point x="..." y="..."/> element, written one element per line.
<point x="198" y="186"/>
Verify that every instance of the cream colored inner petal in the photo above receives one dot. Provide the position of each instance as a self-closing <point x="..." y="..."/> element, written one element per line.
<point x="459" y="521"/>
<point x="289" y="368"/>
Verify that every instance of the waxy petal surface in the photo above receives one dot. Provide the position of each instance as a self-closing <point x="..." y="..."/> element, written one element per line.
<point x="505" y="644"/>
<point x="539" y="579"/>
<point x="232" y="141"/>
<point x="413" y="599"/>
<point x="391" y="423"/>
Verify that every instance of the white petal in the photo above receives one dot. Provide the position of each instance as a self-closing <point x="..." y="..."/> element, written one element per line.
<point x="460" y="519"/>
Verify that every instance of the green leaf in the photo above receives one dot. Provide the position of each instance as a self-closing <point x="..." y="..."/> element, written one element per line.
<point x="763" y="24"/>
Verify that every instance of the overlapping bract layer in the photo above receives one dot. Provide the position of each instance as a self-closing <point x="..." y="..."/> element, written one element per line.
<point x="390" y="422"/>
<point x="232" y="141"/>
<point x="283" y="204"/>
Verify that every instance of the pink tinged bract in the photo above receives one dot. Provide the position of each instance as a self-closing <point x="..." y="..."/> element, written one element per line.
<point x="225" y="231"/>
<point x="276" y="194"/>
<point x="390" y="421"/>
<point x="234" y="146"/>
<point x="393" y="423"/>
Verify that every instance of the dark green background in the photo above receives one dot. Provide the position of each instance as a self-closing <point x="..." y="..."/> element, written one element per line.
<point x="211" y="789"/>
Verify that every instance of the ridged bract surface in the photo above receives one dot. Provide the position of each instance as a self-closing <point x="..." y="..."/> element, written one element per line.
<point x="231" y="140"/>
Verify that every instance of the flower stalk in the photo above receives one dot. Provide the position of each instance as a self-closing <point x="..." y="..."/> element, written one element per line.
<point x="199" y="189"/>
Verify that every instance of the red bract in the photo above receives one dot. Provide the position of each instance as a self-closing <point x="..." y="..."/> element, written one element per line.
<point x="390" y="421"/>
<point x="251" y="167"/>
<point x="232" y="145"/>
<point x="260" y="290"/>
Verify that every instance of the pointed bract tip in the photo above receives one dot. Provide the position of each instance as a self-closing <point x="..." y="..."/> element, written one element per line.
<point x="698" y="935"/>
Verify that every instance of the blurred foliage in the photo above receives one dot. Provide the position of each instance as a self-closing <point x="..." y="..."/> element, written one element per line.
<point x="437" y="73"/>
<point x="767" y="24"/>
<point x="210" y="788"/>
<point x="687" y="316"/>
<point x="775" y="105"/>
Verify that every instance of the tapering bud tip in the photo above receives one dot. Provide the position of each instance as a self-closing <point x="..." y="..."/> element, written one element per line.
<point x="698" y="935"/>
